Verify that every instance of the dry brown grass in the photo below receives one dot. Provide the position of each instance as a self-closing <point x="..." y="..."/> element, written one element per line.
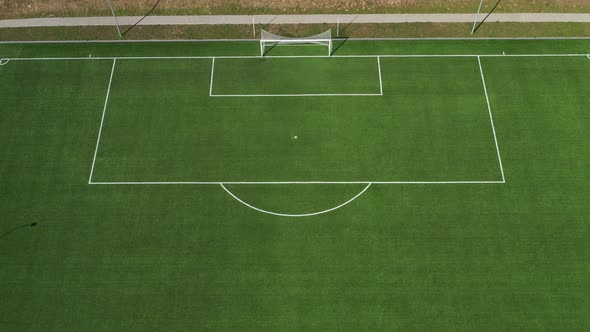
<point x="43" y="8"/>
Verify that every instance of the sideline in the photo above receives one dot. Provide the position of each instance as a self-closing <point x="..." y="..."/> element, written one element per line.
<point x="258" y="40"/>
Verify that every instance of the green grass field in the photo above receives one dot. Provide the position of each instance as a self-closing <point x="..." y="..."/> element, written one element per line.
<point x="165" y="179"/>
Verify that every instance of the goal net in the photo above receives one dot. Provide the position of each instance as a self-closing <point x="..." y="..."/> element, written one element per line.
<point x="269" y="40"/>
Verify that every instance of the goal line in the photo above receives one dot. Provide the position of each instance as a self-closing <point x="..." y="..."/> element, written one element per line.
<point x="299" y="56"/>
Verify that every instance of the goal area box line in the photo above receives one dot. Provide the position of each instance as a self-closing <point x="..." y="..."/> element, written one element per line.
<point x="314" y="181"/>
<point x="241" y="76"/>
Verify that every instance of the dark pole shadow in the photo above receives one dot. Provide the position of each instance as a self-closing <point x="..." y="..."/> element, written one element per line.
<point x="141" y="19"/>
<point x="17" y="228"/>
<point x="341" y="41"/>
<point x="270" y="49"/>
<point x="269" y="23"/>
<point x="486" y="17"/>
<point x="344" y="27"/>
<point x="263" y="27"/>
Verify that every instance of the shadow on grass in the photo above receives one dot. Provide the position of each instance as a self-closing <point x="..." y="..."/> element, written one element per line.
<point x="337" y="43"/>
<point x="17" y="228"/>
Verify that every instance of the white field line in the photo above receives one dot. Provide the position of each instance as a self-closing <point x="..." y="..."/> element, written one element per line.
<point x="380" y="80"/>
<point x="588" y="56"/>
<point x="144" y="41"/>
<point x="300" y="56"/>
<point x="300" y="94"/>
<point x="459" y="38"/>
<point x="106" y="101"/>
<point x="4" y="61"/>
<point x="295" y="215"/>
<point x="258" y="40"/>
<point x="283" y="45"/>
<point x="483" y="81"/>
<point x="279" y="182"/>
<point x="288" y="182"/>
<point x="211" y="83"/>
<point x="305" y="95"/>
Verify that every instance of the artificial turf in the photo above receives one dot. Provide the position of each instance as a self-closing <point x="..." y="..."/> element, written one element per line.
<point x="488" y="256"/>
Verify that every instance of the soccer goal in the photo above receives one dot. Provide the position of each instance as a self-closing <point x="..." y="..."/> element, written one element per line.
<point x="269" y="40"/>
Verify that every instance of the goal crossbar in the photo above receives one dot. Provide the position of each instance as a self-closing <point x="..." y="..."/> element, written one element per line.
<point x="270" y="39"/>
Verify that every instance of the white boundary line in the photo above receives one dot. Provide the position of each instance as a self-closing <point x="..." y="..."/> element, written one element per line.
<point x="145" y="41"/>
<point x="288" y="182"/>
<point x="466" y="38"/>
<point x="104" y="110"/>
<point x="4" y="61"/>
<point x="295" y="215"/>
<point x="588" y="56"/>
<point x="300" y="56"/>
<point x="299" y="94"/>
<point x="211" y="83"/>
<point x="257" y="40"/>
<point x="483" y="81"/>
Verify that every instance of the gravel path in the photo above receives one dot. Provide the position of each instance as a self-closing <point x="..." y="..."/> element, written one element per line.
<point x="294" y="19"/>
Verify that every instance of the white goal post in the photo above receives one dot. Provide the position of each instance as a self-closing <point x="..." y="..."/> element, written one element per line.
<point x="271" y="40"/>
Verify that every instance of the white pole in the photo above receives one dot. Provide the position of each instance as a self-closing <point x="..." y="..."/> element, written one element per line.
<point x="115" y="16"/>
<point x="253" y="28"/>
<point x="476" y="16"/>
<point x="338" y="27"/>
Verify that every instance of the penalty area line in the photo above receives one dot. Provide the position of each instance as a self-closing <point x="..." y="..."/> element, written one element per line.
<point x="290" y="182"/>
<point x="380" y="79"/>
<point x="106" y="101"/>
<point x="483" y="81"/>
<point x="211" y="82"/>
